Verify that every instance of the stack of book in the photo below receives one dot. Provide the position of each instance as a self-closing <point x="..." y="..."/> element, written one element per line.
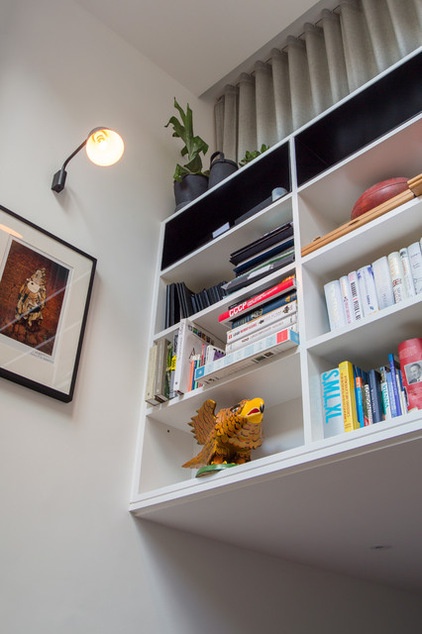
<point x="353" y="398"/>
<point x="260" y="327"/>
<point x="257" y="259"/>
<point x="181" y="302"/>
<point x="172" y="362"/>
<point x="389" y="280"/>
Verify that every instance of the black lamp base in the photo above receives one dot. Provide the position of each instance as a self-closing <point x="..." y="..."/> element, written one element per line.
<point x="59" y="180"/>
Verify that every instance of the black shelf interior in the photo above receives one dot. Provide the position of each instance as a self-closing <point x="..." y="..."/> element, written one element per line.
<point x="194" y="226"/>
<point x="379" y="108"/>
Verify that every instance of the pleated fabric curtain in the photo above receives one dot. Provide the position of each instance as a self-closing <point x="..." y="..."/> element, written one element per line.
<point x="345" y="48"/>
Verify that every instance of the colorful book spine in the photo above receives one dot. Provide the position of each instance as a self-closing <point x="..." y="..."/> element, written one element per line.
<point x="264" y="309"/>
<point x="415" y="259"/>
<point x="397" y="276"/>
<point x="245" y="357"/>
<point x="348" y="398"/>
<point x="367" y="290"/>
<point x="282" y="287"/>
<point x="361" y="404"/>
<point x="383" y="283"/>
<point x="262" y="322"/>
<point x="285" y="322"/>
<point x="191" y="341"/>
<point x="331" y="403"/>
<point x="335" y="305"/>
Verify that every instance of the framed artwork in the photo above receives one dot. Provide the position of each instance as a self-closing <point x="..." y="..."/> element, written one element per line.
<point x="45" y="290"/>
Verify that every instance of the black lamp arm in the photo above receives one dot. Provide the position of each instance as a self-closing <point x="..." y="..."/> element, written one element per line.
<point x="59" y="177"/>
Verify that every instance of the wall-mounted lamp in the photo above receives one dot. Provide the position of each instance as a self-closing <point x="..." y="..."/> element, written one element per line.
<point x="103" y="147"/>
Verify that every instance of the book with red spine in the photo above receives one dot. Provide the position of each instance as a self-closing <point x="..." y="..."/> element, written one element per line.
<point x="410" y="357"/>
<point x="286" y="284"/>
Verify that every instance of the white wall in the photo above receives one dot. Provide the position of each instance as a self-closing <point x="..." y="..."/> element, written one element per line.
<point x="72" y="560"/>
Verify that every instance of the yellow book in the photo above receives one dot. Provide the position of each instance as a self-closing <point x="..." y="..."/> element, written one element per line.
<point x="348" y="397"/>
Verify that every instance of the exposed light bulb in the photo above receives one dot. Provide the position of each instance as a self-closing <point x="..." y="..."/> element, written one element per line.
<point x="104" y="147"/>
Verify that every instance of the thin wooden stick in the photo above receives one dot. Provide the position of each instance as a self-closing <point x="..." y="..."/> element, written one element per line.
<point x="415" y="189"/>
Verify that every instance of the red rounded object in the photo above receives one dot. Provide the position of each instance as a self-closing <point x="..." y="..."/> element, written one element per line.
<point x="377" y="194"/>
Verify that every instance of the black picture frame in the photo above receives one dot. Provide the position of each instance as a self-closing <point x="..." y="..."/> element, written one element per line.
<point x="45" y="292"/>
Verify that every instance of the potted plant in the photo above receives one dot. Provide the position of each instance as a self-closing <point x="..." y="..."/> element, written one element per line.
<point x="190" y="180"/>
<point x="250" y="156"/>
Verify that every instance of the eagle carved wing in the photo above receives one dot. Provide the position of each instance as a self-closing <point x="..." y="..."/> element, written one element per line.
<point x="203" y="422"/>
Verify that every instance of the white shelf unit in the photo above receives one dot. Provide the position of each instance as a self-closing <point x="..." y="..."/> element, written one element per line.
<point x="321" y="196"/>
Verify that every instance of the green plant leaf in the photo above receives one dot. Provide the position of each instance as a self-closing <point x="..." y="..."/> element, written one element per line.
<point x="193" y="147"/>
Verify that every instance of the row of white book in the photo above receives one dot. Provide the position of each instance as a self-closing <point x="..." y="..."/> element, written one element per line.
<point x="389" y="280"/>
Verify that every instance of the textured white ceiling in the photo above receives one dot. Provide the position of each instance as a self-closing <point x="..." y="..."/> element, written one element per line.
<point x="198" y="42"/>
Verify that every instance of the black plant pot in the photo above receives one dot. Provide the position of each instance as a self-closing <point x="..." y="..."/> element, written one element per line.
<point x="220" y="168"/>
<point x="191" y="186"/>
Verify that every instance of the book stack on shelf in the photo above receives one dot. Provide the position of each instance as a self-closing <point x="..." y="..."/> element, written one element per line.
<point x="172" y="363"/>
<point x="259" y="258"/>
<point x="388" y="280"/>
<point x="181" y="302"/>
<point x="260" y="327"/>
<point x="353" y="398"/>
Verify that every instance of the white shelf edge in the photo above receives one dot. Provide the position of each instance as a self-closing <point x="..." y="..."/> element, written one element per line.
<point x="315" y="342"/>
<point x="400" y="429"/>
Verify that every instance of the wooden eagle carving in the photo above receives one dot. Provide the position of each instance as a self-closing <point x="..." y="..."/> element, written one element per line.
<point x="228" y="436"/>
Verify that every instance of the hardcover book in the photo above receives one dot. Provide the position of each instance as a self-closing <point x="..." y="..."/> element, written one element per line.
<point x="415" y="259"/>
<point x="385" y="392"/>
<point x="261" y="321"/>
<point x="410" y="358"/>
<point x="278" y="289"/>
<point x="247" y="356"/>
<point x="348" y="397"/>
<point x="383" y="282"/>
<point x="362" y="409"/>
<point x="265" y="255"/>
<point x="284" y="322"/>
<point x="407" y="272"/>
<point x="191" y="341"/>
<point x="271" y="238"/>
<point x="367" y="290"/>
<point x="374" y="380"/>
<point x="259" y="272"/>
<point x="263" y="309"/>
<point x="335" y="305"/>
<point x="152" y="371"/>
<point x="397" y="276"/>
<point x="331" y="403"/>
<point x="356" y="296"/>
<point x="346" y="292"/>
<point x="161" y="391"/>
<point x="394" y="366"/>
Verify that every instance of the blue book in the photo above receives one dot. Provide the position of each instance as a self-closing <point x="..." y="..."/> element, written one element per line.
<point x="331" y="403"/>
<point x="396" y="409"/>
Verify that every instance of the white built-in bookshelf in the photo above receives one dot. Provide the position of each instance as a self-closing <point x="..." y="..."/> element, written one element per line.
<point x="373" y="134"/>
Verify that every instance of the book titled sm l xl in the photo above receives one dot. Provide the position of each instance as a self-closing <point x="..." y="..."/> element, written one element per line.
<point x="278" y="289"/>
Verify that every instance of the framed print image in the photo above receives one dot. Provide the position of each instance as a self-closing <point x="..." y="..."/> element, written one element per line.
<point x="45" y="290"/>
